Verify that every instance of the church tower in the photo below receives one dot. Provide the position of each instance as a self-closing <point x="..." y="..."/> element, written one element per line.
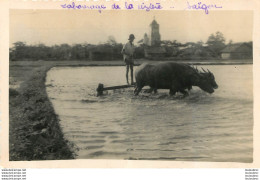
<point x="155" y="34"/>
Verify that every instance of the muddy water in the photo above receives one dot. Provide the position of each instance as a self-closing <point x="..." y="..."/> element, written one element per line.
<point x="201" y="127"/>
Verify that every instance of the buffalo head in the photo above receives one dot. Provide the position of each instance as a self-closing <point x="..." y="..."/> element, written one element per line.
<point x="206" y="81"/>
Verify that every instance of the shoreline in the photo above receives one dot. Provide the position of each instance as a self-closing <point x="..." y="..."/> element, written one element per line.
<point x="34" y="129"/>
<point x="121" y="63"/>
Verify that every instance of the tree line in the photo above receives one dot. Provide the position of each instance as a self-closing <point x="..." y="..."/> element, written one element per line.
<point x="111" y="50"/>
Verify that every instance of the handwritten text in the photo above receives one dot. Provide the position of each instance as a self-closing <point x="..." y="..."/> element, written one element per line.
<point x="74" y="6"/>
<point x="140" y="6"/>
<point x="150" y="6"/>
<point x="204" y="7"/>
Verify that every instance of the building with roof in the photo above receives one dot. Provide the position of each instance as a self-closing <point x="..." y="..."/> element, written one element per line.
<point x="154" y="37"/>
<point x="154" y="52"/>
<point x="237" y="51"/>
<point x="152" y="42"/>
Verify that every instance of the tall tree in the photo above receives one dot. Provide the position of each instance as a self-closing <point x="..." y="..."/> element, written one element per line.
<point x="19" y="50"/>
<point x="216" y="42"/>
<point x="111" y="40"/>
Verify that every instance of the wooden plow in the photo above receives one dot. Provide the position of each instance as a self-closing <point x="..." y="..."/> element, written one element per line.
<point x="101" y="88"/>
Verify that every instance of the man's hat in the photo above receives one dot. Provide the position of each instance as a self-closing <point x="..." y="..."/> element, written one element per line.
<point x="131" y="36"/>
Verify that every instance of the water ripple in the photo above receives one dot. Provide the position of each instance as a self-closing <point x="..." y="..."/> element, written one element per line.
<point x="119" y="125"/>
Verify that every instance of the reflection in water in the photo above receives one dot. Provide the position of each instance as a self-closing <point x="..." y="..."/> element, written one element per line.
<point x="119" y="125"/>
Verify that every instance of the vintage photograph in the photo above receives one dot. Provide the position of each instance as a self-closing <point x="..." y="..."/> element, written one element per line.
<point x="131" y="85"/>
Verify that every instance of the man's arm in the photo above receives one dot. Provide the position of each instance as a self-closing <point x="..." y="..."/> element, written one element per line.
<point x="124" y="51"/>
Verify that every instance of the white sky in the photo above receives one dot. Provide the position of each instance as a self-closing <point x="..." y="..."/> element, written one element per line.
<point x="80" y="26"/>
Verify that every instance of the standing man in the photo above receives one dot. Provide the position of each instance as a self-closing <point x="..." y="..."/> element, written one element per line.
<point x="128" y="53"/>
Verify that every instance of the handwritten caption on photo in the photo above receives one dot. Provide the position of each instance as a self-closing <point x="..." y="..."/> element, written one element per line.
<point x="142" y="6"/>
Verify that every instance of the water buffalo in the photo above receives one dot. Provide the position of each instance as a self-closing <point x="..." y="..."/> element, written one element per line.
<point x="174" y="76"/>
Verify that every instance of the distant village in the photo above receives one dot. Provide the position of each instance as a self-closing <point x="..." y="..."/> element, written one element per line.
<point x="150" y="47"/>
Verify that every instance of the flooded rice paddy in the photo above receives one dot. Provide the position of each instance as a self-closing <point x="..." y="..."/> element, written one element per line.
<point x="119" y="125"/>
